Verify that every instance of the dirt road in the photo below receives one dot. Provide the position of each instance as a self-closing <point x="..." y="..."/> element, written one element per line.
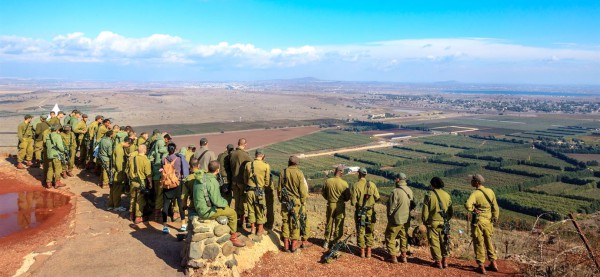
<point x="350" y="149"/>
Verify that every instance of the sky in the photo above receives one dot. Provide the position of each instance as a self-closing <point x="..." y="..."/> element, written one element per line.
<point x="513" y="42"/>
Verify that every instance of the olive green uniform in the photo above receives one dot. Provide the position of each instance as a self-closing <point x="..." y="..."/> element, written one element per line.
<point x="45" y="160"/>
<point x="359" y="190"/>
<point x="292" y="179"/>
<point x="157" y="154"/>
<point x="188" y="188"/>
<point x="101" y="132"/>
<point x="38" y="144"/>
<point x="434" y="221"/>
<point x="483" y="229"/>
<point x="55" y="121"/>
<point x="237" y="161"/>
<point x="257" y="176"/>
<point x="54" y="148"/>
<point x="398" y="215"/>
<point x="336" y="192"/>
<point x="70" y="146"/>
<point x="116" y="189"/>
<point x="138" y="170"/>
<point x="25" y="134"/>
<point x="208" y="202"/>
<point x="105" y="153"/>
<point x="91" y="140"/>
<point x="80" y="130"/>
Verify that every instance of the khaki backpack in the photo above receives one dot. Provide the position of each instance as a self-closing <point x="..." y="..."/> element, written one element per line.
<point x="168" y="178"/>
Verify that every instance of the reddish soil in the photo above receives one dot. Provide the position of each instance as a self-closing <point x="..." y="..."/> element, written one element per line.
<point x="308" y="263"/>
<point x="54" y="225"/>
<point x="256" y="138"/>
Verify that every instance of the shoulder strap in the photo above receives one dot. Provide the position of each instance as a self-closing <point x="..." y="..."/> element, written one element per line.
<point x="442" y="210"/>
<point x="202" y="155"/>
<point x="407" y="195"/>
<point x="486" y="197"/>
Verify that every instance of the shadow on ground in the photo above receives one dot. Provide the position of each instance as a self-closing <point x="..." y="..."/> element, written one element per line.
<point x="166" y="247"/>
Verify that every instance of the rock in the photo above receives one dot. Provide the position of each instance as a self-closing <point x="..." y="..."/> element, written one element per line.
<point x="231" y="263"/>
<point x="196" y="249"/>
<point x="228" y="248"/>
<point x="419" y="236"/>
<point x="211" y="251"/>
<point x="247" y="241"/>
<point x="202" y="236"/>
<point x="201" y="229"/>
<point x="195" y="264"/>
<point x="209" y="241"/>
<point x="224" y="239"/>
<point x="223" y="220"/>
<point x="221" y="230"/>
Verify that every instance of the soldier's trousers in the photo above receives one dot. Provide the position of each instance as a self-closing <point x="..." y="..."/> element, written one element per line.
<point x="71" y="163"/>
<point x="334" y="226"/>
<point x="38" y="147"/>
<point x="239" y="196"/>
<point x="396" y="231"/>
<point x="482" y="234"/>
<point x="290" y="226"/>
<point x="116" y="190"/>
<point x="230" y="214"/>
<point x="25" y="150"/>
<point x="54" y="170"/>
<point x="137" y="200"/>
<point x="104" y="165"/>
<point x="436" y="241"/>
<point x="257" y="212"/>
<point x="158" y="195"/>
<point x="270" y="198"/>
<point x="365" y="233"/>
<point x="83" y="153"/>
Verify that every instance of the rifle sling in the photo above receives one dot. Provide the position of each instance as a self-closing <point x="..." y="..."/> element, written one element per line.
<point x="202" y="155"/>
<point x="442" y="210"/>
<point x="487" y="198"/>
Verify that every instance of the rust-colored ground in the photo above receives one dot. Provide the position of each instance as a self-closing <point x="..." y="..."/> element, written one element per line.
<point x="256" y="138"/>
<point x="17" y="245"/>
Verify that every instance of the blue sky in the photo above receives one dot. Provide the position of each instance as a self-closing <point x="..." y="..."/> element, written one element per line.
<point x="547" y="42"/>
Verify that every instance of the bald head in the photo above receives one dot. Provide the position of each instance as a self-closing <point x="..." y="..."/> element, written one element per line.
<point x="293" y="161"/>
<point x="142" y="149"/>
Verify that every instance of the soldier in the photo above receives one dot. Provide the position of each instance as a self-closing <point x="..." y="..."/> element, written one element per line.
<point x="91" y="140"/>
<point x="399" y="205"/>
<point x="142" y="139"/>
<point x="336" y="192"/>
<point x="364" y="196"/>
<point x="485" y="212"/>
<point x="105" y="154"/>
<point x="224" y="160"/>
<point x="138" y="170"/>
<point x="56" y="119"/>
<point x="102" y="129"/>
<point x="120" y="135"/>
<point x="80" y="131"/>
<point x="25" y="134"/>
<point x="188" y="187"/>
<point x="191" y="150"/>
<point x="203" y="155"/>
<point x="39" y="140"/>
<point x="70" y="144"/>
<point x="116" y="190"/>
<point x="237" y="162"/>
<point x="54" y="154"/>
<point x="257" y="176"/>
<point x="158" y="152"/>
<point x="437" y="200"/>
<point x="293" y="194"/>
<point x="209" y="204"/>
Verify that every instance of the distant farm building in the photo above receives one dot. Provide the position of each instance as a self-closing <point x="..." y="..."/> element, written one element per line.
<point x="351" y="169"/>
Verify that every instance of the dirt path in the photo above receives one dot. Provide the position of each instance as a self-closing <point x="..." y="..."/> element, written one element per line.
<point x="344" y="150"/>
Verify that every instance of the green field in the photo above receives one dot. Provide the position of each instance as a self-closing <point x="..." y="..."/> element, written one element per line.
<point x="564" y="189"/>
<point x="493" y="179"/>
<point x="526" y="154"/>
<point x="533" y="169"/>
<point x="415" y="169"/>
<point x="435" y="149"/>
<point x="534" y="204"/>
<point x="324" y="140"/>
<point x="376" y="158"/>
<point x="464" y="141"/>
<point x="407" y="154"/>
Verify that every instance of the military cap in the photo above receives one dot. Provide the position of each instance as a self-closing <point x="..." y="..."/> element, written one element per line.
<point x="362" y="170"/>
<point x="99" y="117"/>
<point x="477" y="177"/>
<point x="203" y="141"/>
<point x="400" y="176"/>
<point x="84" y="115"/>
<point x="191" y="146"/>
<point x="230" y="147"/>
<point x="28" y="116"/>
<point x="294" y="160"/>
<point x="167" y="136"/>
<point x="340" y="168"/>
<point x="54" y="127"/>
<point x="44" y="116"/>
<point x="259" y="151"/>
<point x="67" y="127"/>
<point x="156" y="131"/>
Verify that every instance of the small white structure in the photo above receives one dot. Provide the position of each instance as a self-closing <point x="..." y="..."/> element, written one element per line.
<point x="350" y="169"/>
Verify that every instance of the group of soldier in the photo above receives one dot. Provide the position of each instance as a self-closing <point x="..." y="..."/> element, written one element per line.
<point x="208" y="184"/>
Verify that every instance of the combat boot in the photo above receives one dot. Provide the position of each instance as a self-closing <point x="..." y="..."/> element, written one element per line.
<point x="403" y="258"/>
<point x="394" y="259"/>
<point x="481" y="269"/>
<point x="70" y="174"/>
<point x="235" y="241"/>
<point x="252" y="228"/>
<point x="138" y="220"/>
<point x="261" y="230"/>
<point x="437" y="264"/>
<point x="63" y="175"/>
<point x="362" y="252"/>
<point x="286" y="245"/>
<point x="295" y="245"/>
<point x="368" y="252"/>
<point x="445" y="262"/>
<point x="28" y="163"/>
<point x="21" y="166"/>
<point x="58" y="184"/>
<point x="493" y="266"/>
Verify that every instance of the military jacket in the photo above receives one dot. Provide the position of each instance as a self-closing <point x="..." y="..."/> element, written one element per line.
<point x="292" y="179"/>
<point x="54" y="145"/>
<point x="105" y="150"/>
<point x="398" y="205"/>
<point x="119" y="157"/>
<point x="25" y="130"/>
<point x="69" y="140"/>
<point x="478" y="201"/>
<point x="359" y="189"/>
<point x="214" y="195"/>
<point x="142" y="164"/>
<point x="81" y="129"/>
<point x="39" y="130"/>
<point x="431" y="208"/>
<point x="262" y="171"/>
<point x="237" y="161"/>
<point x="92" y="129"/>
<point x="101" y="132"/>
<point x="336" y="190"/>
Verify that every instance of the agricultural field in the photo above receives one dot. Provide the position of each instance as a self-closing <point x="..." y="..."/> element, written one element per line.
<point x="324" y="140"/>
<point x="464" y="141"/>
<point x="527" y="154"/>
<point x="382" y="159"/>
<point x="559" y="189"/>
<point x="401" y="153"/>
<point x="534" y="204"/>
<point x="533" y="169"/>
<point x="435" y="149"/>
<point x="493" y="179"/>
<point x="415" y="169"/>
<point x="465" y="160"/>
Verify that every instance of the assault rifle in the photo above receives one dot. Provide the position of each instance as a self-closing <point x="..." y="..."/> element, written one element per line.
<point x="335" y="250"/>
<point x="302" y="220"/>
<point x="289" y="205"/>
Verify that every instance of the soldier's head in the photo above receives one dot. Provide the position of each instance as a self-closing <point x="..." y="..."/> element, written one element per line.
<point x="192" y="148"/>
<point x="476" y="180"/>
<point x="436" y="183"/>
<point x="293" y="160"/>
<point x="203" y="142"/>
<point x="77" y="114"/>
<point x="213" y="167"/>
<point x="400" y="177"/>
<point x="28" y="118"/>
<point x="61" y="114"/>
<point x="52" y="114"/>
<point x="362" y="172"/>
<point x="259" y="153"/>
<point x="194" y="164"/>
<point x="127" y="142"/>
<point x="339" y="170"/>
<point x="116" y="128"/>
<point x="128" y="129"/>
<point x="84" y="117"/>
<point x="242" y="143"/>
<point x="73" y="112"/>
<point x="171" y="147"/>
<point x="167" y="138"/>
<point x="230" y="148"/>
<point x="131" y="135"/>
<point x="144" y="135"/>
<point x="142" y="149"/>
<point x="106" y="122"/>
<point x="67" y="128"/>
<point x="99" y="118"/>
<point x="109" y="134"/>
<point x="43" y="117"/>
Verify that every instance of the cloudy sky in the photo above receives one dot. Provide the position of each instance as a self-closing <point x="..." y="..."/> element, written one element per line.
<point x="536" y="42"/>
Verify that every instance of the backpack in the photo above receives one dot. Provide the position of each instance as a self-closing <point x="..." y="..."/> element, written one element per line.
<point x="168" y="178"/>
